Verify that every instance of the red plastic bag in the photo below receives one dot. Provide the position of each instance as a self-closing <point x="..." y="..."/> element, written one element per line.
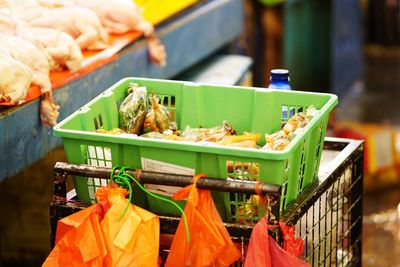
<point x="210" y="243"/>
<point x="258" y="252"/>
<point x="263" y="251"/>
<point x="293" y="246"/>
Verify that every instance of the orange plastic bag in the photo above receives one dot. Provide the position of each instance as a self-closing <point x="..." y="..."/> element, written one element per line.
<point x="210" y="243"/>
<point x="79" y="241"/>
<point x="263" y="251"/>
<point x="96" y="236"/>
<point x="132" y="240"/>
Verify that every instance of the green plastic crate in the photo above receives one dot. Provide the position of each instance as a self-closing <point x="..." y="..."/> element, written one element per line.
<point x="251" y="109"/>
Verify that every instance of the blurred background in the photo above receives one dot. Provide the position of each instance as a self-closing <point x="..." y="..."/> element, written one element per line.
<point x="346" y="47"/>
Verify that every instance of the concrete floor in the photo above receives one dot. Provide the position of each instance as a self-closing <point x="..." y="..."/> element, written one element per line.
<point x="381" y="233"/>
<point x="25" y="198"/>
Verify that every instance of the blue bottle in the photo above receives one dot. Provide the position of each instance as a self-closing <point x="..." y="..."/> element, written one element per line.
<point x="279" y="79"/>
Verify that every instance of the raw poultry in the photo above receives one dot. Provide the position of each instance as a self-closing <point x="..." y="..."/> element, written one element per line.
<point x="120" y="16"/>
<point x="15" y="80"/>
<point x="87" y="21"/>
<point x="81" y="23"/>
<point x="61" y="47"/>
<point x="117" y="16"/>
<point x="30" y="55"/>
<point x="55" y="31"/>
<point x="34" y="58"/>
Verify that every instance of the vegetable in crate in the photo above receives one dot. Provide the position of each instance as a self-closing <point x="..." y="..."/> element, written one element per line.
<point x="243" y="170"/>
<point x="133" y="110"/>
<point x="245" y="140"/>
<point x="280" y="140"/>
<point x="214" y="134"/>
<point x="155" y="135"/>
<point x="250" y="208"/>
<point x="195" y="134"/>
<point x="157" y="118"/>
<point x="299" y="120"/>
<point x="221" y="133"/>
<point x="113" y="131"/>
<point x="277" y="141"/>
<point x="166" y="135"/>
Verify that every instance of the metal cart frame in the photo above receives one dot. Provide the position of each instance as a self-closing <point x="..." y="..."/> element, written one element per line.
<point x="327" y="215"/>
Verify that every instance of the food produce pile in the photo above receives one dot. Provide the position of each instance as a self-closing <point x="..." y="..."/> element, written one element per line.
<point x="141" y="114"/>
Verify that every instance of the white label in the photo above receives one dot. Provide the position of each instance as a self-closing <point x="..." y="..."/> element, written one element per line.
<point x="163" y="167"/>
<point x="71" y="194"/>
<point x="165" y="190"/>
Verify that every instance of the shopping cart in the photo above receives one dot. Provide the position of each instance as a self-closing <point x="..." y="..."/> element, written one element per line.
<point x="327" y="215"/>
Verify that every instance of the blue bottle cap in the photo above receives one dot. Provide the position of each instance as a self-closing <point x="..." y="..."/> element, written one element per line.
<point x="279" y="74"/>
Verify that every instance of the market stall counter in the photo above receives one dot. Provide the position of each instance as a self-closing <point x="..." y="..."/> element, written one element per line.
<point x="187" y="38"/>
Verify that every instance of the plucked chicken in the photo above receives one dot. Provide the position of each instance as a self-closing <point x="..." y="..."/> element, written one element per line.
<point x="79" y="22"/>
<point x="61" y="47"/>
<point x="120" y="16"/>
<point x="117" y="16"/>
<point x="15" y="80"/>
<point x="28" y="54"/>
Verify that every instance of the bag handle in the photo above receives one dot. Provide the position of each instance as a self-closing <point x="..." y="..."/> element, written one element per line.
<point x="123" y="178"/>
